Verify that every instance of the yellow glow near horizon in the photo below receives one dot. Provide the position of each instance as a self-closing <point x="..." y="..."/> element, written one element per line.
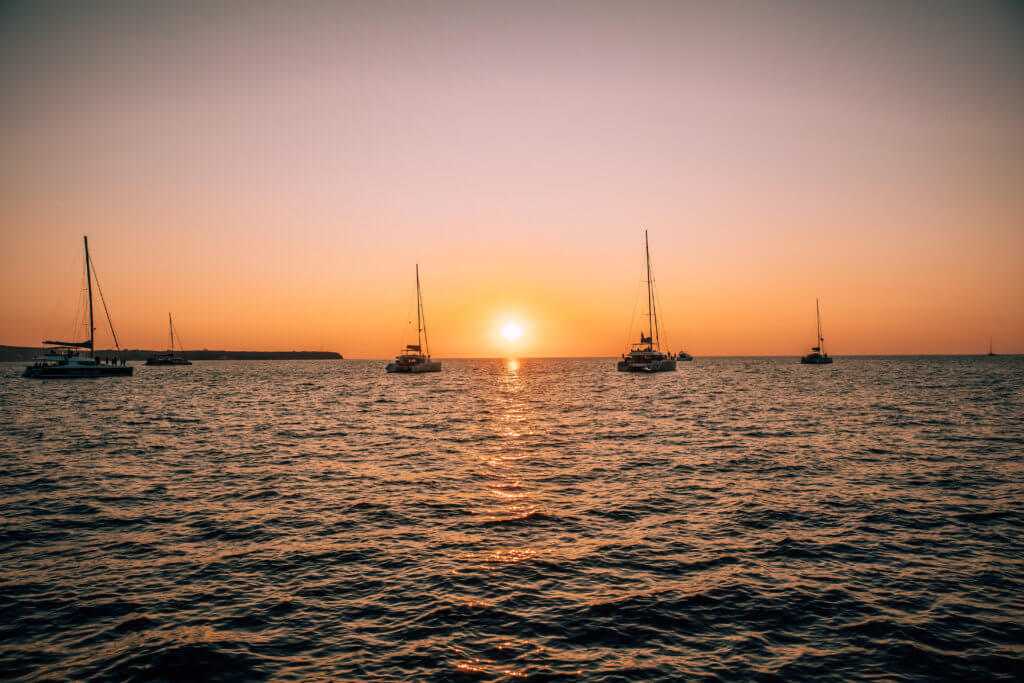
<point x="511" y="331"/>
<point x="893" y="202"/>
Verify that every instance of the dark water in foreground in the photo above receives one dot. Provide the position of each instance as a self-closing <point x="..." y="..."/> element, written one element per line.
<point x="741" y="518"/>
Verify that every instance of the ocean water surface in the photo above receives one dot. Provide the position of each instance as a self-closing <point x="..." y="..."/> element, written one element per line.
<point x="536" y="520"/>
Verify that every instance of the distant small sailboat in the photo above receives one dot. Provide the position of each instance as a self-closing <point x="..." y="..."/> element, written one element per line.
<point x="415" y="358"/>
<point x="990" y="352"/>
<point x="168" y="357"/>
<point x="683" y="355"/>
<point x="646" y="356"/>
<point x="66" y="361"/>
<point x="817" y="355"/>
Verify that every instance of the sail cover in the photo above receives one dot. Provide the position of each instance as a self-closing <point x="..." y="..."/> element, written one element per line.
<point x="413" y="347"/>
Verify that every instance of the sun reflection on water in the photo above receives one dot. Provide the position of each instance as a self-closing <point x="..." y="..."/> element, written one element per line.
<point x="506" y="500"/>
<point x="513" y="410"/>
<point x="512" y="555"/>
<point x="511" y="381"/>
<point x="507" y="495"/>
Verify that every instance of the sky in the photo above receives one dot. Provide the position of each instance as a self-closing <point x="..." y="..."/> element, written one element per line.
<point x="271" y="173"/>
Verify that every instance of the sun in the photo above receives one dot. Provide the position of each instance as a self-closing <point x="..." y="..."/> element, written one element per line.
<point x="511" y="331"/>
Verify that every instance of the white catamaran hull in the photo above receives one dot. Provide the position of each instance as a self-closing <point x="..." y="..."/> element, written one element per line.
<point x="431" y="366"/>
<point x="647" y="366"/>
<point x="76" y="371"/>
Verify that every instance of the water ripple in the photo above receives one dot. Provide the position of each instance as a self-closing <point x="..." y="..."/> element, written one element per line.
<point x="539" y="520"/>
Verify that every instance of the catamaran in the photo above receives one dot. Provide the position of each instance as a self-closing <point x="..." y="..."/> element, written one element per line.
<point x="646" y="356"/>
<point x="416" y="357"/>
<point x="66" y="360"/>
<point x="817" y="355"/>
<point x="168" y="357"/>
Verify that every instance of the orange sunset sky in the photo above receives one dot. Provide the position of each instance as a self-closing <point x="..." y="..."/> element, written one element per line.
<point x="271" y="172"/>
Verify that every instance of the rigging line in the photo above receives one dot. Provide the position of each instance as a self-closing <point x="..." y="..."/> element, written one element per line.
<point x="419" y="310"/>
<point x="80" y="305"/>
<point x="655" y="323"/>
<point x="422" y="315"/>
<point x="56" y="302"/>
<point x="408" y="321"/>
<point x="633" y="318"/>
<point x="84" y="308"/>
<point x="82" y="314"/>
<point x="817" y="305"/>
<point x="636" y="305"/>
<point x="181" y="347"/>
<point x="76" y="324"/>
<point x="105" y="309"/>
<point x="661" y="324"/>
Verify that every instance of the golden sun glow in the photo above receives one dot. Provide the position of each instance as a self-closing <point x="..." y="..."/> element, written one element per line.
<point x="511" y="331"/>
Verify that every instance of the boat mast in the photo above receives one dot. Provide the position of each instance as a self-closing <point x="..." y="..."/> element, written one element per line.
<point x="652" y="312"/>
<point x="817" y="306"/>
<point x="421" y="321"/>
<point x="170" y="331"/>
<point x="88" y="282"/>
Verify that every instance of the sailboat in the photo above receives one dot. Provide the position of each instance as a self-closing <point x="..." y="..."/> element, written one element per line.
<point x="416" y="357"/>
<point x="817" y="355"/>
<point x="990" y="351"/>
<point x="168" y="357"/>
<point x="66" y="359"/>
<point x="646" y="355"/>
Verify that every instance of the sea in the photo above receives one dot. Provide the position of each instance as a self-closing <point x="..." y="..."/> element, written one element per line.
<point x="516" y="520"/>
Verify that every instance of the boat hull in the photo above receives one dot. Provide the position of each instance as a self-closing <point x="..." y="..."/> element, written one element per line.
<point x="666" y="365"/>
<point x="816" y="360"/>
<point x="431" y="366"/>
<point x="75" y="372"/>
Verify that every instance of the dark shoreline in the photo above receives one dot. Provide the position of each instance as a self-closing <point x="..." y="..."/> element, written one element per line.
<point x="25" y="353"/>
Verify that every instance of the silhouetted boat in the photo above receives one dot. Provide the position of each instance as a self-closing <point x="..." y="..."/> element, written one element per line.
<point x="683" y="355"/>
<point x="646" y="356"/>
<point x="416" y="358"/>
<point x="990" y="352"/>
<point x="817" y="355"/>
<point x="66" y="360"/>
<point x="168" y="357"/>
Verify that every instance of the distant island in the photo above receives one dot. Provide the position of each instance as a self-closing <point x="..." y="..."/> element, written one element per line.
<point x="10" y="354"/>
